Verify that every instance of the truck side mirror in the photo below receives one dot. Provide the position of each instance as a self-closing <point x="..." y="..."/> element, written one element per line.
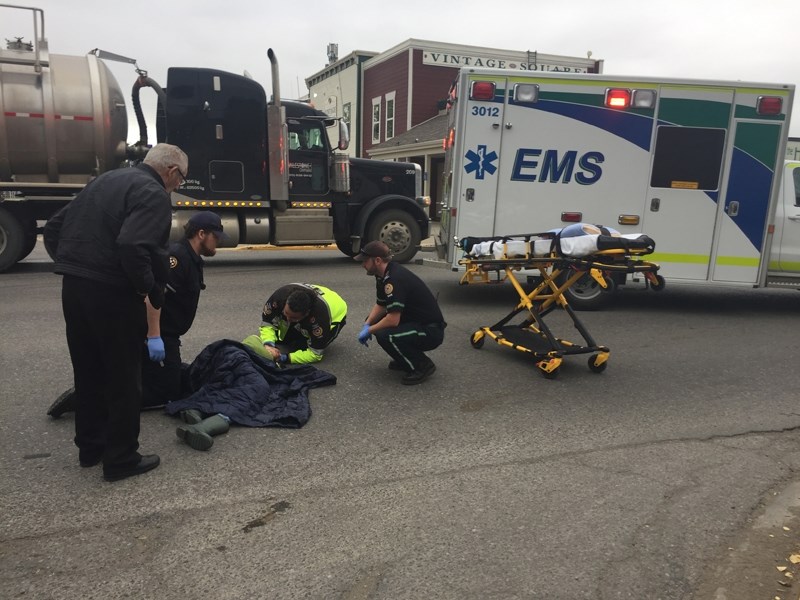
<point x="344" y="135"/>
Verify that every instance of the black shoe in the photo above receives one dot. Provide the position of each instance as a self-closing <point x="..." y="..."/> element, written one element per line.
<point x="64" y="403"/>
<point x="419" y="375"/>
<point x="396" y="366"/>
<point x="90" y="461"/>
<point x="147" y="463"/>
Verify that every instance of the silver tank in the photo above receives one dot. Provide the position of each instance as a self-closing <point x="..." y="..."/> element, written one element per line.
<point x="63" y="124"/>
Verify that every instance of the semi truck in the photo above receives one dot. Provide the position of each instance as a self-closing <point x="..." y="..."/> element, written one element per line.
<point x="267" y="167"/>
<point x="696" y="165"/>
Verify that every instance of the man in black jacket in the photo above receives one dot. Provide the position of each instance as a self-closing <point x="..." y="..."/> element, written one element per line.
<point x="110" y="245"/>
<point x="162" y="367"/>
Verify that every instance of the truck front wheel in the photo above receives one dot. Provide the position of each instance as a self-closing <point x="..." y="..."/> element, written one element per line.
<point x="12" y="240"/>
<point x="399" y="231"/>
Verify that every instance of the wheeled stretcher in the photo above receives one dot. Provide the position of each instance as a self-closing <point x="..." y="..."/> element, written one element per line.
<point x="560" y="261"/>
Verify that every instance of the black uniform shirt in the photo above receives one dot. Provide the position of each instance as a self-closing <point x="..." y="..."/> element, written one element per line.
<point x="183" y="289"/>
<point x="401" y="290"/>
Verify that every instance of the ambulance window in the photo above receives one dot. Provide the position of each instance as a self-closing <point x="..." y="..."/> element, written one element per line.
<point x="688" y="158"/>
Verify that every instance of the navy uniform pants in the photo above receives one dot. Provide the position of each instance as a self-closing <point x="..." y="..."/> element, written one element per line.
<point x="408" y="342"/>
<point x="106" y="326"/>
<point x="162" y="383"/>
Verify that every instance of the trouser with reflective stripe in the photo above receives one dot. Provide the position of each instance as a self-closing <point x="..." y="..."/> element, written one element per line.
<point x="408" y="342"/>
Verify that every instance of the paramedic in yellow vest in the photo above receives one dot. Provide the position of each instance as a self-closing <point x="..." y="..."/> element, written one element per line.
<point x="298" y="322"/>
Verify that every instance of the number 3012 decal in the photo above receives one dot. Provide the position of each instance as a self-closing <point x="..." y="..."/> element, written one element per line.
<point x="485" y="111"/>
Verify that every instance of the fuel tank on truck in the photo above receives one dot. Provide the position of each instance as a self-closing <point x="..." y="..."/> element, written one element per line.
<point x="63" y="124"/>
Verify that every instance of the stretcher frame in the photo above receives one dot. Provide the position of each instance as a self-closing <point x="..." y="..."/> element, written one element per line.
<point x="558" y="273"/>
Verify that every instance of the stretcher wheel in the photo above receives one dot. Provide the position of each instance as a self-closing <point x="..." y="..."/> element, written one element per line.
<point x="477" y="339"/>
<point x="659" y="285"/>
<point x="543" y="369"/>
<point x="595" y="368"/>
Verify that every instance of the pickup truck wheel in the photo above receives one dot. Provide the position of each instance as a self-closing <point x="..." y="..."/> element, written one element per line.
<point x="346" y="247"/>
<point x="586" y="293"/>
<point x="399" y="231"/>
<point x="12" y="240"/>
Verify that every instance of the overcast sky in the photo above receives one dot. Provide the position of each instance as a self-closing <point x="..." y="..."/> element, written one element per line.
<point x="707" y="39"/>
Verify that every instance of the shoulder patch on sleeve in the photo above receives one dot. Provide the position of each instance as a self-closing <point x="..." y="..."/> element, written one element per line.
<point x="173" y="262"/>
<point x="388" y="289"/>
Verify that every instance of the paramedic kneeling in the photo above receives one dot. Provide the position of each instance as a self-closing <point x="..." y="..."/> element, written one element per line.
<point x="298" y="322"/>
<point x="406" y="319"/>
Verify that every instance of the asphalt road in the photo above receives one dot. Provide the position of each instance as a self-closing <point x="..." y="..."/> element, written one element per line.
<point x="659" y="478"/>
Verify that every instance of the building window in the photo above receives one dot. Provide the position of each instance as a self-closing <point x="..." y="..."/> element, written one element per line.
<point x="390" y="115"/>
<point x="376" y="120"/>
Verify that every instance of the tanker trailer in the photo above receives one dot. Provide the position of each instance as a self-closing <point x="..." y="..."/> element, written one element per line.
<point x="62" y="122"/>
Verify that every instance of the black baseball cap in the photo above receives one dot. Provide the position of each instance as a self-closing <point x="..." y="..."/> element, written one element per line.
<point x="374" y="249"/>
<point x="208" y="221"/>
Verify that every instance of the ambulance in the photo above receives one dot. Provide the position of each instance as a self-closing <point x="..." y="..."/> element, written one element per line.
<point x="696" y="165"/>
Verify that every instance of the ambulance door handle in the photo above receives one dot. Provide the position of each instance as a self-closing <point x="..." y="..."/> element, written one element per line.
<point x="655" y="204"/>
<point x="470" y="194"/>
<point x="794" y="218"/>
<point x="732" y="209"/>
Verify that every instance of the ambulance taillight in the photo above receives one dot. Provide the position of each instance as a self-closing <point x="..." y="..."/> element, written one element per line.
<point x="571" y="217"/>
<point x="482" y="90"/>
<point x="769" y="105"/>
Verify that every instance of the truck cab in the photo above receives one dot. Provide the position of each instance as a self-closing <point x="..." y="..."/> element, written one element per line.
<point x="221" y="121"/>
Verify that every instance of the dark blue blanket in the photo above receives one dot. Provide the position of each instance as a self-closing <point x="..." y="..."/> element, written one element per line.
<point x="229" y="378"/>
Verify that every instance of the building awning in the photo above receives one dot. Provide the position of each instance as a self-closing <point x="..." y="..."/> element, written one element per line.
<point x="420" y="139"/>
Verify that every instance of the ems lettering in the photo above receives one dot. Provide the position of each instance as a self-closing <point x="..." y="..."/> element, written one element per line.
<point x="590" y="162"/>
<point x="546" y="166"/>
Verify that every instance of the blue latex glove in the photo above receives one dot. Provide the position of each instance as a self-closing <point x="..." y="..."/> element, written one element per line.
<point x="155" y="347"/>
<point x="364" y="336"/>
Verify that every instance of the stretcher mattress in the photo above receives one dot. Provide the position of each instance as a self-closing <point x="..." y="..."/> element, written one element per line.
<point x="575" y="241"/>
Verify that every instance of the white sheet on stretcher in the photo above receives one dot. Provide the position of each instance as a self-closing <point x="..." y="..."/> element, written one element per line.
<point x="574" y="247"/>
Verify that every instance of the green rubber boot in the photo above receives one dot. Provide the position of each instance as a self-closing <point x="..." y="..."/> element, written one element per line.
<point x="191" y="416"/>
<point x="199" y="435"/>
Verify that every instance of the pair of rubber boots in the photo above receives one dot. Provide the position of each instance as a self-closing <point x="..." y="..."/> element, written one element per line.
<point x="198" y="432"/>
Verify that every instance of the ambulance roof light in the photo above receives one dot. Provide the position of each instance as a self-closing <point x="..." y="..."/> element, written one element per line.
<point x="644" y="98"/>
<point x="571" y="217"/>
<point x="618" y="98"/>
<point x="482" y="90"/>
<point x="769" y="105"/>
<point x="526" y="93"/>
